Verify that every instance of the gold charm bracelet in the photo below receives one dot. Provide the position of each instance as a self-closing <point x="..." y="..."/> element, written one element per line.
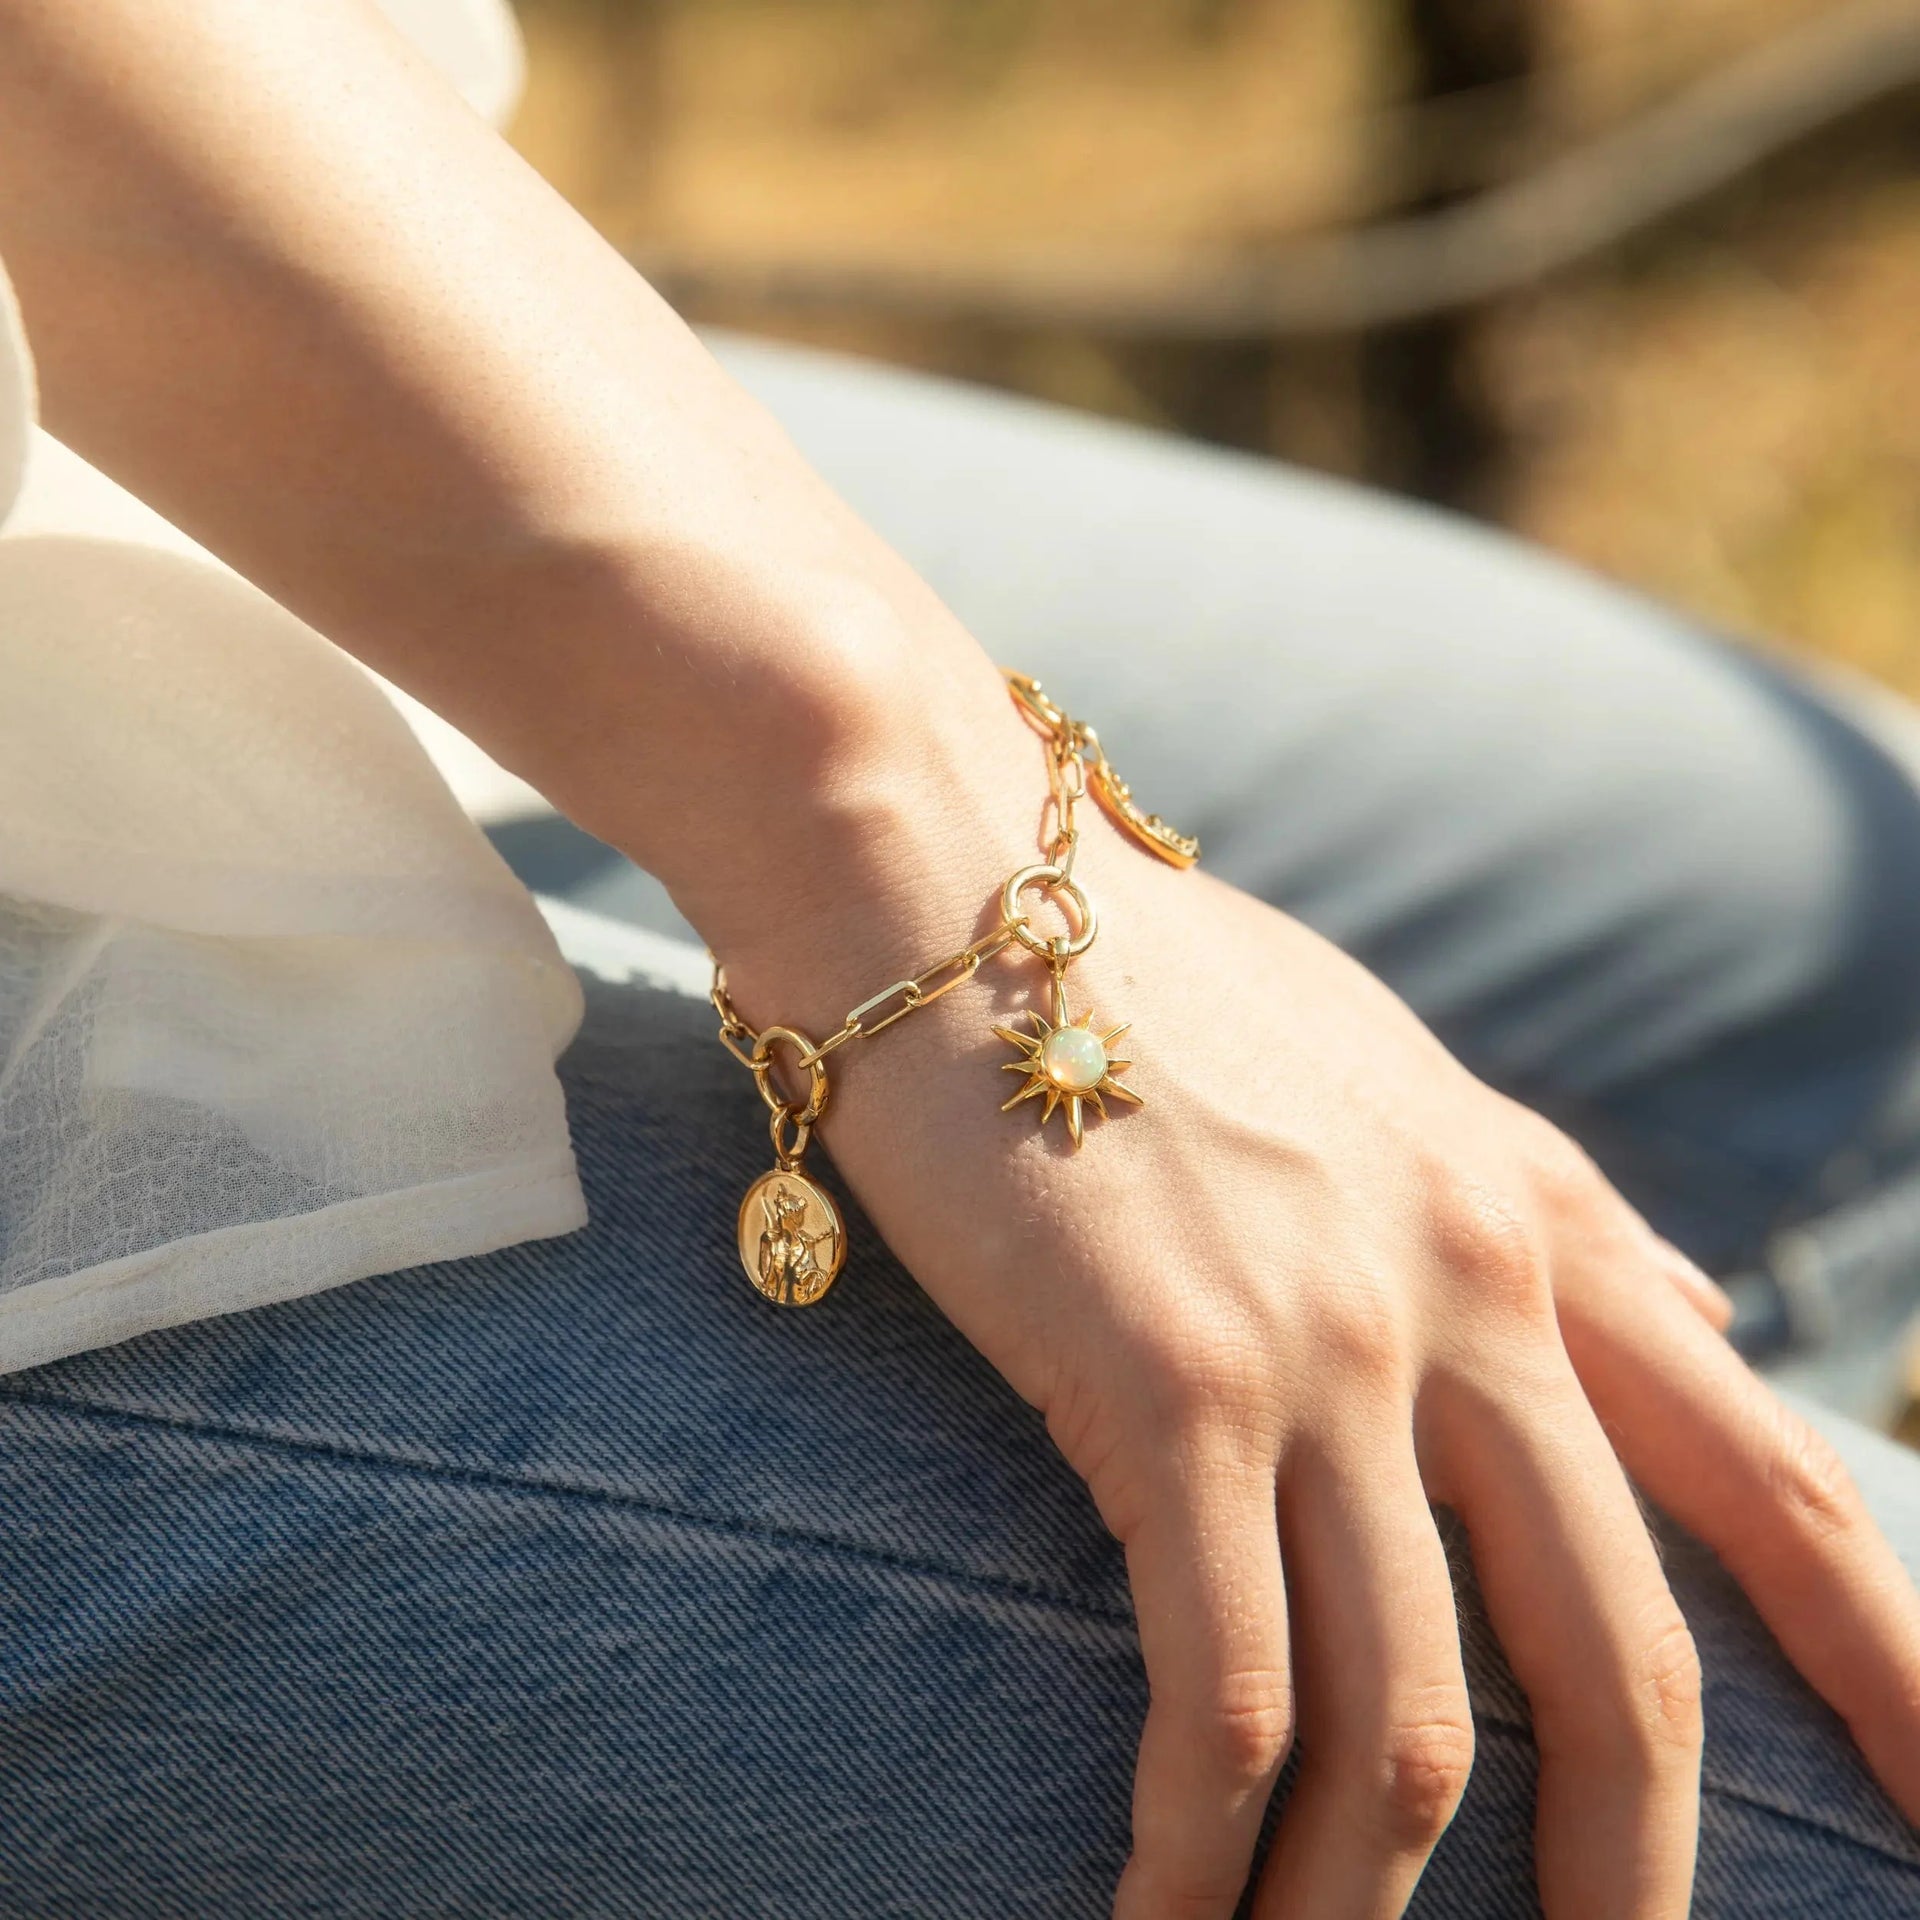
<point x="791" y="1240"/>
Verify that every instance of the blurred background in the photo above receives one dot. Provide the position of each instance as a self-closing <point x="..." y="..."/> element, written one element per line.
<point x="1637" y="278"/>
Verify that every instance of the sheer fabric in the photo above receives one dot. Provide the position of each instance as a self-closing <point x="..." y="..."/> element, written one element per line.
<point x="273" y="1015"/>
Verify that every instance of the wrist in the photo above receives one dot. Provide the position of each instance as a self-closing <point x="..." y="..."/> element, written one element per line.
<point x="827" y="785"/>
<point x="716" y="725"/>
<point x="833" y="784"/>
<point x="889" y="857"/>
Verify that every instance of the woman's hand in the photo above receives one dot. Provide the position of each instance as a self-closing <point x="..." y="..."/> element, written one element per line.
<point x="1324" y="1278"/>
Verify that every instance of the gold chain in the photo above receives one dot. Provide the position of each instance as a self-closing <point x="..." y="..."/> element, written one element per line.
<point x="786" y="1262"/>
<point x="1070" y="744"/>
<point x="1068" y="741"/>
<point x="755" y="1050"/>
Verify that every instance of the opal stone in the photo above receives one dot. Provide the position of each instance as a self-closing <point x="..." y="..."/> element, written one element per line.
<point x="1073" y="1059"/>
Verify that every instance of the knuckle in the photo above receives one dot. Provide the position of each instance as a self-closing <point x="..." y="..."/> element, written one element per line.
<point x="1564" y="1173"/>
<point x="1809" y="1482"/>
<point x="1206" y="1366"/>
<point x="1674" y="1689"/>
<point x="1424" y="1777"/>
<point x="1648" y="1722"/>
<point x="1484" y="1240"/>
<point x="1359" y="1334"/>
<point x="1667" y="1724"/>
<point x="1249" y="1729"/>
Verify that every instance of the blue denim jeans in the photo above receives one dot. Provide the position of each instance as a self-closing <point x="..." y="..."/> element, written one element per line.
<point x="573" y="1580"/>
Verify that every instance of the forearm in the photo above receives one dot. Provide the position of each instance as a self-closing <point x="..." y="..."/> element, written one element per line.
<point x="285" y="286"/>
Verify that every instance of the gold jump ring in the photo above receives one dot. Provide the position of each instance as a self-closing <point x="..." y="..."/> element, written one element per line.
<point x="787" y="1156"/>
<point x="762" y="1064"/>
<point x="1052" y="880"/>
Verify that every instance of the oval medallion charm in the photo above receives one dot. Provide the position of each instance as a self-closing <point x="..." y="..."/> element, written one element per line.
<point x="791" y="1239"/>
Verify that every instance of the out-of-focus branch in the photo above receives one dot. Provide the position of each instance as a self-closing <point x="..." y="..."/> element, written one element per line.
<point x="1570" y="209"/>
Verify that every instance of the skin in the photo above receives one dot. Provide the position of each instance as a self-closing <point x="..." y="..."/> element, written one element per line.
<point x="1324" y="1278"/>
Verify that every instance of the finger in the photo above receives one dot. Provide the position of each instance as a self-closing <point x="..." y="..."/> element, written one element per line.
<point x="1586" y="1210"/>
<point x="1705" y="1296"/>
<point x="1733" y="1465"/>
<point x="1575" y="1593"/>
<point x="1386" y="1729"/>
<point x="1629" y="1244"/>
<point x="1211" y="1605"/>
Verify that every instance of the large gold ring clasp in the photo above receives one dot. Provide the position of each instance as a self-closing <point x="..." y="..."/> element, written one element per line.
<point x="762" y="1065"/>
<point x="1051" y="880"/>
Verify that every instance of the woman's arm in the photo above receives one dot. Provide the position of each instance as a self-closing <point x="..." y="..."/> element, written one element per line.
<point x="285" y="287"/>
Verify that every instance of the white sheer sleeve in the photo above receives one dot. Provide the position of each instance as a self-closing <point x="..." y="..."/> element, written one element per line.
<point x="273" y="1015"/>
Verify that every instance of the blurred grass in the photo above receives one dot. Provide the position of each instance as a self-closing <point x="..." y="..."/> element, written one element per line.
<point x="1727" y="413"/>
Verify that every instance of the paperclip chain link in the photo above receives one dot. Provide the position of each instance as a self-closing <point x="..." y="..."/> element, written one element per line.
<point x="1068" y="743"/>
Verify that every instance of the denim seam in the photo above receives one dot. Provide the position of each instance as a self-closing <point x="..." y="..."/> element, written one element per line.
<point x="403" y="1464"/>
<point x="1793" y="1819"/>
<point x="1739" y="1796"/>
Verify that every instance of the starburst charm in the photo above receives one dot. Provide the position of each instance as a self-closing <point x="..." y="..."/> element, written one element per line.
<point x="1069" y="1062"/>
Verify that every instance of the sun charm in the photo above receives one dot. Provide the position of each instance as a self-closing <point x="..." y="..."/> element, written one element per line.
<point x="1068" y="1062"/>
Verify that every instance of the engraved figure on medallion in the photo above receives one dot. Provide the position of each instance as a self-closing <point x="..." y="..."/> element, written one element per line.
<point x="790" y="1271"/>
